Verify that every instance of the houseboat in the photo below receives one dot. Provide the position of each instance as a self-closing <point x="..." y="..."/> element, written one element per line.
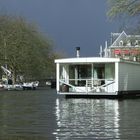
<point x="106" y="75"/>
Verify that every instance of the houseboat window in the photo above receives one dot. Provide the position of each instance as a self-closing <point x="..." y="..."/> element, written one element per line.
<point x="109" y="71"/>
<point x="63" y="72"/>
<point x="72" y="71"/>
<point x="84" y="71"/>
<point x="99" y="73"/>
<point x="79" y="73"/>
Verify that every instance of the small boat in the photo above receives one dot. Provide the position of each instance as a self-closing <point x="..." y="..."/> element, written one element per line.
<point x="48" y="83"/>
<point x="13" y="87"/>
<point x="30" y="85"/>
<point x="51" y="83"/>
<point x="24" y="86"/>
<point x="8" y="83"/>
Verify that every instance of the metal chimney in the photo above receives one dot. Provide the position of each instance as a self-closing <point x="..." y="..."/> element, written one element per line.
<point x="78" y="52"/>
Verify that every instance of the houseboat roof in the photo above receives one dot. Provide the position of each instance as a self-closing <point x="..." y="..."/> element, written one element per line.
<point x="87" y="60"/>
<point x="93" y="60"/>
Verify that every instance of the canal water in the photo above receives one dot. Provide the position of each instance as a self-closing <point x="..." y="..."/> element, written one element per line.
<point x="42" y="115"/>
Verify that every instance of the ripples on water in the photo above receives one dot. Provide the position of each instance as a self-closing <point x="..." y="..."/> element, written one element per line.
<point x="42" y="115"/>
<point x="87" y="119"/>
<point x="100" y="119"/>
<point x="27" y="115"/>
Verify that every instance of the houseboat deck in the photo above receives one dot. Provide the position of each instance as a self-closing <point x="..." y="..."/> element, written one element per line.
<point x="83" y="93"/>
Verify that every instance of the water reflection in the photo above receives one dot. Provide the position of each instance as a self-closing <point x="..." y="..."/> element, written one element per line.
<point x="87" y="119"/>
<point x="39" y="115"/>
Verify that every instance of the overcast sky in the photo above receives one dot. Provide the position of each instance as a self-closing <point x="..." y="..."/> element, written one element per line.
<point x="69" y="23"/>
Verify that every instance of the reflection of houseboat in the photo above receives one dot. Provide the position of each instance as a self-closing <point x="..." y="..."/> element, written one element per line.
<point x="98" y="75"/>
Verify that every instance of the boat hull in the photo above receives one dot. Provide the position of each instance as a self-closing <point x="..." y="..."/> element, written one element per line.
<point x="118" y="94"/>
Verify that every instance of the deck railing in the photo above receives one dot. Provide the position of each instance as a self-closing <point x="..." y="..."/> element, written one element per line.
<point x="85" y="85"/>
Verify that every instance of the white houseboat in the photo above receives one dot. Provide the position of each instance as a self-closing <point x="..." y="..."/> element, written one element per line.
<point x="99" y="76"/>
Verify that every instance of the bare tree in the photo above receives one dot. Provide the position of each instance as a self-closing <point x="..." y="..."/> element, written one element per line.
<point x="24" y="49"/>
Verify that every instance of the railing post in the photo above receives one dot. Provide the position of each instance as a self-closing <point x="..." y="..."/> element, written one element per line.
<point x="86" y="86"/>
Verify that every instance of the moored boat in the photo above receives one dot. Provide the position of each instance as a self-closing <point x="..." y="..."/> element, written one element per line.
<point x="8" y="84"/>
<point x="30" y="85"/>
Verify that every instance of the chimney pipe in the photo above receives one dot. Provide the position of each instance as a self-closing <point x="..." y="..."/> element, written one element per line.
<point x="78" y="52"/>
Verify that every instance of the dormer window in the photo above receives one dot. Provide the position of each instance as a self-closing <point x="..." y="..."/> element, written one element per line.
<point x="136" y="43"/>
<point x="128" y="43"/>
<point x="121" y="43"/>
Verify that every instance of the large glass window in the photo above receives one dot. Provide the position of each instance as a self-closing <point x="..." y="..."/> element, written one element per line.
<point x="80" y="71"/>
<point x="109" y="71"/>
<point x="77" y="74"/>
<point x="98" y="71"/>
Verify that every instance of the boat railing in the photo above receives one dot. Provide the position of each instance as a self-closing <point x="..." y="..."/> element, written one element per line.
<point x="98" y="85"/>
<point x="85" y="85"/>
<point x="64" y="86"/>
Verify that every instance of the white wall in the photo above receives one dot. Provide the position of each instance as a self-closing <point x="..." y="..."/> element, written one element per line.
<point x="129" y="76"/>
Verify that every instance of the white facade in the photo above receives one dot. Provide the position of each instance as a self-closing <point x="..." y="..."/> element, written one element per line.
<point x="129" y="76"/>
<point x="124" y="46"/>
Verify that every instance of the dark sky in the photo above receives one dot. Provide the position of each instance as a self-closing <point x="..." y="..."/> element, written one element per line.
<point x="69" y="23"/>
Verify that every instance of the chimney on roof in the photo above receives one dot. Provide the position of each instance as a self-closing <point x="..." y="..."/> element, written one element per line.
<point x="78" y="52"/>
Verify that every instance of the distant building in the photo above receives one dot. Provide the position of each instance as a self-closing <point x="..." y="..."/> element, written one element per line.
<point x="123" y="46"/>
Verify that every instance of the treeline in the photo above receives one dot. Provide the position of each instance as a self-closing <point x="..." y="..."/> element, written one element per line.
<point x="25" y="50"/>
